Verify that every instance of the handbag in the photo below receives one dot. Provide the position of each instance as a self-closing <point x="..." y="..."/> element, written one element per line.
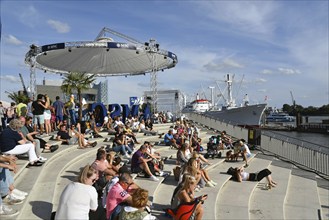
<point x="177" y="171"/>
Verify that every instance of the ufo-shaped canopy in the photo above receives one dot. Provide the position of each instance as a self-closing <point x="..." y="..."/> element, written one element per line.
<point x="102" y="57"/>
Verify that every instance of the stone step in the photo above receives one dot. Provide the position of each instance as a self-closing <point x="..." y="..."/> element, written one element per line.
<point x="61" y="161"/>
<point x="22" y="163"/>
<point x="233" y="202"/>
<point x="43" y="185"/>
<point x="260" y="199"/>
<point x="302" y="200"/>
<point x="323" y="191"/>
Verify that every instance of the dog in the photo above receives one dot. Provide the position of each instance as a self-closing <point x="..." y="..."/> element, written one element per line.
<point x="230" y="156"/>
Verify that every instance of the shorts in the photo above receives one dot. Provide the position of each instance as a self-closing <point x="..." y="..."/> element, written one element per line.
<point x="38" y="118"/>
<point x="59" y="117"/>
<point x="47" y="114"/>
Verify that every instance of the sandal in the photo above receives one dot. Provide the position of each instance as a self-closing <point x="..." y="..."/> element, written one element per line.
<point x="34" y="164"/>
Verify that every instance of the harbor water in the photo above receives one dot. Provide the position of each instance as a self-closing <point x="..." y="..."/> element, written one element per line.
<point x="316" y="138"/>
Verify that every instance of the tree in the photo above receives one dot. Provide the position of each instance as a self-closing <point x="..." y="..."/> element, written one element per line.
<point x="18" y="97"/>
<point x="77" y="82"/>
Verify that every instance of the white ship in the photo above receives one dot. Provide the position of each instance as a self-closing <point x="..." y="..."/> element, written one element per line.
<point x="244" y="115"/>
<point x="279" y="117"/>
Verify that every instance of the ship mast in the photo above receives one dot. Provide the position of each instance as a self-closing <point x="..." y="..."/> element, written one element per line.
<point x="230" y="101"/>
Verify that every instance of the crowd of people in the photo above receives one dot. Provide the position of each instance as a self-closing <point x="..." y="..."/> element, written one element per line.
<point x="109" y="178"/>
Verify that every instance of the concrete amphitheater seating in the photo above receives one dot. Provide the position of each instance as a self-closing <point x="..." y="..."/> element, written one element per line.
<point x="299" y="194"/>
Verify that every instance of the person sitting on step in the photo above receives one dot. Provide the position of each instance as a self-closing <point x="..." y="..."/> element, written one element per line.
<point x="201" y="175"/>
<point x="120" y="145"/>
<point x="33" y="136"/>
<point x="157" y="161"/>
<point x="29" y="137"/>
<point x="66" y="138"/>
<point x="8" y="192"/>
<point x="139" y="208"/>
<point x="146" y="130"/>
<point x="169" y="139"/>
<point x="244" y="150"/>
<point x="118" y="196"/>
<point x="186" y="195"/>
<point x="139" y="163"/>
<point x="78" y="198"/>
<point x="13" y="142"/>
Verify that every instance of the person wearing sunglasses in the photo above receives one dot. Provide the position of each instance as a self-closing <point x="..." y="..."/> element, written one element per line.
<point x="78" y="198"/>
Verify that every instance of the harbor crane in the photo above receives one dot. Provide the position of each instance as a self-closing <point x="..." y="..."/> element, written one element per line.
<point x="293" y="100"/>
<point x="23" y="84"/>
<point x="295" y="111"/>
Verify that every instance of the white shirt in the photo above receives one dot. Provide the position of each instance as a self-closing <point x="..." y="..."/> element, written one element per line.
<point x="76" y="201"/>
<point x="118" y="123"/>
<point x="245" y="147"/>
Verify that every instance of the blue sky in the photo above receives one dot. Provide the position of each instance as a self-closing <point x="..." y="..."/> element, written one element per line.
<point x="275" y="46"/>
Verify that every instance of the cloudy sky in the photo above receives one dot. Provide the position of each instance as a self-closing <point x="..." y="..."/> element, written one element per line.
<point x="272" y="47"/>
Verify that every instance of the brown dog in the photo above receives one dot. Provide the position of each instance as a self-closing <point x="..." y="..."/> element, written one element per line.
<point x="230" y="156"/>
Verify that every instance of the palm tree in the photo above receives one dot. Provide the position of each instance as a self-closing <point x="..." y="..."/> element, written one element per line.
<point x="18" y="97"/>
<point x="77" y="82"/>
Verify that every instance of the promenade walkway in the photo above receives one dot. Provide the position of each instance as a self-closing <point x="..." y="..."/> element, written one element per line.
<point x="299" y="194"/>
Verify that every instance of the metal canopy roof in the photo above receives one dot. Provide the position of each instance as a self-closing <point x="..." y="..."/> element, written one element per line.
<point x="102" y="58"/>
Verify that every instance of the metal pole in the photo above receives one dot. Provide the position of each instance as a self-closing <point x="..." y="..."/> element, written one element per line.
<point x="33" y="86"/>
<point x="153" y="49"/>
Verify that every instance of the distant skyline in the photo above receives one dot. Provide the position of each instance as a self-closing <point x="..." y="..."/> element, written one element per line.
<point x="274" y="46"/>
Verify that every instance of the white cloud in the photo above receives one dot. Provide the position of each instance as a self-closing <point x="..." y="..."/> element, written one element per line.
<point x="10" y="78"/>
<point x="266" y="71"/>
<point x="60" y="27"/>
<point x="29" y="16"/>
<point x="248" y="16"/>
<point x="288" y="71"/>
<point x="260" y="80"/>
<point x="12" y="40"/>
<point x="227" y="63"/>
<point x="262" y="90"/>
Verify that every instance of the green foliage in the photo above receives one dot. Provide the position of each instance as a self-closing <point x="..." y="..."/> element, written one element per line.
<point x="18" y="97"/>
<point x="310" y="110"/>
<point x="77" y="82"/>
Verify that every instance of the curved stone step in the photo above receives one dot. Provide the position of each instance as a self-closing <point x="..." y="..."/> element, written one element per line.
<point x="302" y="200"/>
<point x="40" y="181"/>
<point x="165" y="190"/>
<point x="268" y="204"/>
<point x="68" y="174"/>
<point x="233" y="202"/>
<point x="323" y="191"/>
<point x="43" y="189"/>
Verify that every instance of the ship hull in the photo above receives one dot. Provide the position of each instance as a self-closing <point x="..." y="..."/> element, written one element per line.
<point x="248" y="115"/>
